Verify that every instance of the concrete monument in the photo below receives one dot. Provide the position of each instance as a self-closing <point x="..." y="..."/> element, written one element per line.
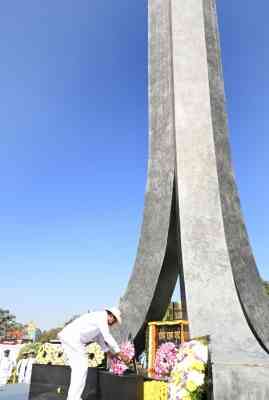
<point x="193" y="226"/>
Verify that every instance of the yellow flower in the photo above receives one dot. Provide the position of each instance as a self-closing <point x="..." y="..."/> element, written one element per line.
<point x="43" y="356"/>
<point x="191" y="386"/>
<point x="176" y="377"/>
<point x="155" y="390"/>
<point x="198" y="366"/>
<point x="188" y="397"/>
<point x="95" y="355"/>
<point x="50" y="354"/>
<point x="58" y="355"/>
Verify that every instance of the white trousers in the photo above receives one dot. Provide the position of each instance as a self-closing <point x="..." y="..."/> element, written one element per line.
<point x="78" y="362"/>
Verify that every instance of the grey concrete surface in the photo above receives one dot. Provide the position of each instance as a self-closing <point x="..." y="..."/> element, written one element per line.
<point x="254" y="300"/>
<point x="205" y="252"/>
<point x="15" y="392"/>
<point x="241" y="381"/>
<point x="197" y="229"/>
<point x="145" y="284"/>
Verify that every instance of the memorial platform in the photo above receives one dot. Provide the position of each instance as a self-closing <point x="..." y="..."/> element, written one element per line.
<point x="15" y="392"/>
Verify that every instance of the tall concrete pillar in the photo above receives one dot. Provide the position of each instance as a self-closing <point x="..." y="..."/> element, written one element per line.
<point x="193" y="226"/>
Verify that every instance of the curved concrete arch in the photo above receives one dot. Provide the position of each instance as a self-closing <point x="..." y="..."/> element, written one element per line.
<point x="151" y="280"/>
<point x="254" y="300"/>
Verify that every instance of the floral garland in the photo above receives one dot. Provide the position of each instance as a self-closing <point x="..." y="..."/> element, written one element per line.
<point x="118" y="367"/>
<point x="155" y="390"/>
<point x="95" y="355"/>
<point x="165" y="359"/>
<point x="188" y="375"/>
<point x="52" y="353"/>
<point x="152" y="348"/>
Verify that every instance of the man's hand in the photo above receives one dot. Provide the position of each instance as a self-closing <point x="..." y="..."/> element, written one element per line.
<point x="109" y="354"/>
<point x="123" y="357"/>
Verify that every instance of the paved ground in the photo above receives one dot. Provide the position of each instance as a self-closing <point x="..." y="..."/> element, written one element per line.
<point x="14" y="392"/>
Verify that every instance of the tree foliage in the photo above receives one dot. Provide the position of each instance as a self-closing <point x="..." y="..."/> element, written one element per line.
<point x="27" y="348"/>
<point x="7" y="320"/>
<point x="51" y="334"/>
<point x="266" y="286"/>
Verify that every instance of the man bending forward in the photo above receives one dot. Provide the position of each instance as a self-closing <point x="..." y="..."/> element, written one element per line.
<point x="91" y="327"/>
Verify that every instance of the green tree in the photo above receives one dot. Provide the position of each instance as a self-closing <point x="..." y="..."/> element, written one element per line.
<point x="27" y="348"/>
<point x="51" y="334"/>
<point x="266" y="286"/>
<point x="6" y="321"/>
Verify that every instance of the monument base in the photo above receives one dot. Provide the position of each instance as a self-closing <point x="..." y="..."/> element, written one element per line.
<point x="126" y="387"/>
<point x="241" y="381"/>
<point x="51" y="382"/>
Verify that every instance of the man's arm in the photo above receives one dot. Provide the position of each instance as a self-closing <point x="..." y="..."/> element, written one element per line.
<point x="108" y="338"/>
<point x="102" y="343"/>
<point x="111" y="342"/>
<point x="109" y="353"/>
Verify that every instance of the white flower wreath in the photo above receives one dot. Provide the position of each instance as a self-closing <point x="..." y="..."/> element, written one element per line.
<point x="95" y="355"/>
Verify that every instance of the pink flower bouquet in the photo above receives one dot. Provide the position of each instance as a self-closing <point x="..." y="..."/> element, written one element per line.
<point x="117" y="366"/>
<point x="165" y="359"/>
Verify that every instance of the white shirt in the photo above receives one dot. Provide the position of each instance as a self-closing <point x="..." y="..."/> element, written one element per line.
<point x="91" y="327"/>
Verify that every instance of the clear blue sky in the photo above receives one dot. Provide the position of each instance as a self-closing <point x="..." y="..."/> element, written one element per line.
<point x="73" y="155"/>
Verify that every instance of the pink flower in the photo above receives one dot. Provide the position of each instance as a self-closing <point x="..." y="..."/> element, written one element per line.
<point x="165" y="359"/>
<point x="128" y="350"/>
<point x="117" y="366"/>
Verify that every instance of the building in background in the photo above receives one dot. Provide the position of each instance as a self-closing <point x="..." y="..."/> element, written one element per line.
<point x="31" y="332"/>
<point x="13" y="332"/>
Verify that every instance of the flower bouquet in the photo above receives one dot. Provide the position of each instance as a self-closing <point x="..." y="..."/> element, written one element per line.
<point x="118" y="367"/>
<point x="164" y="363"/>
<point x="188" y="375"/>
<point x="165" y="360"/>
